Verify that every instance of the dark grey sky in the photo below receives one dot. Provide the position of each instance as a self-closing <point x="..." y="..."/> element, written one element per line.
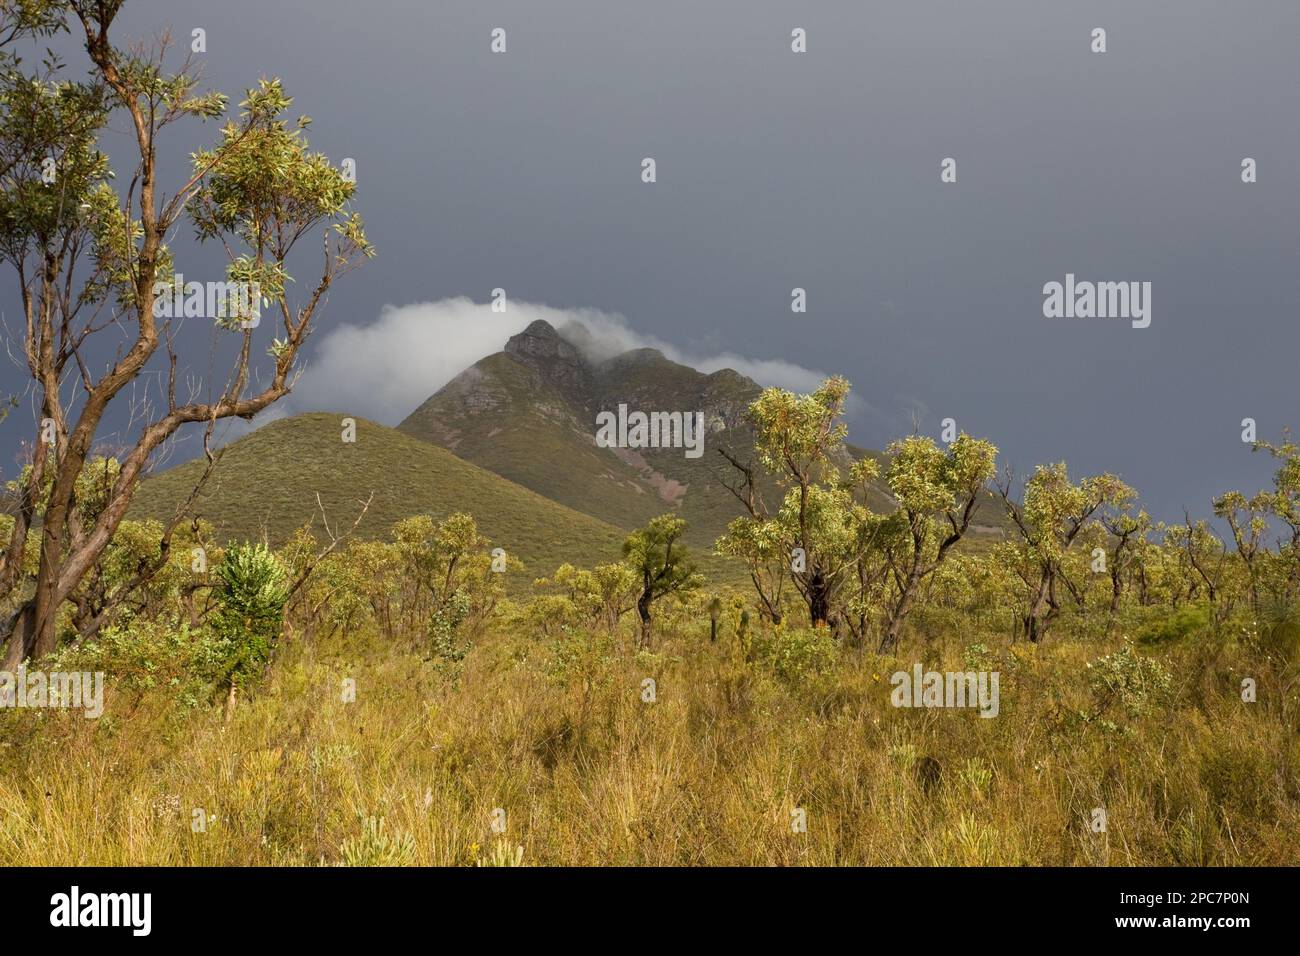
<point x="821" y="170"/>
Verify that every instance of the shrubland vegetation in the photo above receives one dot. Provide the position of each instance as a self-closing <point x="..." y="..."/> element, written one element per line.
<point x="378" y="702"/>
<point x="429" y="697"/>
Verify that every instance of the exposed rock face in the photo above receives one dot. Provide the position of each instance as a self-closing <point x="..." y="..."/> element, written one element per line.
<point x="568" y="368"/>
<point x="557" y="362"/>
<point x="644" y="377"/>
<point x="529" y="414"/>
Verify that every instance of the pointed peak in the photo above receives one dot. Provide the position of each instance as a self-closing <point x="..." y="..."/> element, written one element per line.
<point x="543" y="349"/>
<point x="542" y="328"/>
<point x="540" y="340"/>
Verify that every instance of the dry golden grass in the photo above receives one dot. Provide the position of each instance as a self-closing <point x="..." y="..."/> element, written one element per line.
<point x="557" y="735"/>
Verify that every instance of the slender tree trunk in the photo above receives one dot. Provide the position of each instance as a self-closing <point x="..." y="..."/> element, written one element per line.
<point x="902" y="607"/>
<point x="819" y="605"/>
<point x="643" y="611"/>
<point x="22" y="636"/>
<point x="46" y="605"/>
<point x="1034" y="629"/>
<point x="1116" y="592"/>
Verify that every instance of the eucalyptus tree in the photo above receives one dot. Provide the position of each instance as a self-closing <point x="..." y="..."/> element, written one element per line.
<point x="1129" y="533"/>
<point x="1051" y="516"/>
<point x="797" y="438"/>
<point x="937" y="492"/>
<point x="89" y="246"/>
<point x="1247" y="520"/>
<point x="1283" y="503"/>
<point x="844" y="560"/>
<point x="661" y="564"/>
<point x="1202" y="559"/>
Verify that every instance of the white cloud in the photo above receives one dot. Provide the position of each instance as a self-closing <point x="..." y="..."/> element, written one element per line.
<point x="764" y="371"/>
<point x="382" y="371"/>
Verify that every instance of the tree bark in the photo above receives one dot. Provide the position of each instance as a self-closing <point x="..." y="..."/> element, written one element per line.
<point x="901" y="609"/>
<point x="643" y="611"/>
<point x="21" y="637"/>
<point x="1034" y="628"/>
<point x="819" y="599"/>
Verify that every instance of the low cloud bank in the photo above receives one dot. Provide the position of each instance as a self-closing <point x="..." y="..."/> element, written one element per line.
<point x="383" y="370"/>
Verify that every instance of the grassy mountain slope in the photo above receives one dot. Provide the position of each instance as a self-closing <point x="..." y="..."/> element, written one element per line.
<point x="511" y="441"/>
<point x="270" y="478"/>
<point x="502" y="418"/>
<point x="528" y="413"/>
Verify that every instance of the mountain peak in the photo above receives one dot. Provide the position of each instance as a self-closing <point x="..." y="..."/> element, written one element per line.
<point x="542" y="348"/>
<point x="642" y="355"/>
<point x="540" y="327"/>
<point x="540" y="340"/>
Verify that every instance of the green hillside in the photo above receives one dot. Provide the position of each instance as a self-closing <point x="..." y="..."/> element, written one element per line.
<point x="511" y="441"/>
<point x="502" y="418"/>
<point x="268" y="481"/>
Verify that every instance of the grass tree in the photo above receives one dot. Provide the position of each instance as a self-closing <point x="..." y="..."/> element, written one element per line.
<point x="88" y="247"/>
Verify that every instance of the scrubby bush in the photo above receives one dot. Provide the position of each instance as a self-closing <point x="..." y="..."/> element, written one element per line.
<point x="430" y="576"/>
<point x="445" y="641"/>
<point x="1137" y="684"/>
<point x="795" y="654"/>
<point x="1170" y="627"/>
<point x="574" y="596"/>
<point x="375" y="846"/>
<point x="978" y="657"/>
<point x="144" y="655"/>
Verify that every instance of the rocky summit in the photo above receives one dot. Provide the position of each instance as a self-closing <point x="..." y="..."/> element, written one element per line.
<point x="529" y="413"/>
